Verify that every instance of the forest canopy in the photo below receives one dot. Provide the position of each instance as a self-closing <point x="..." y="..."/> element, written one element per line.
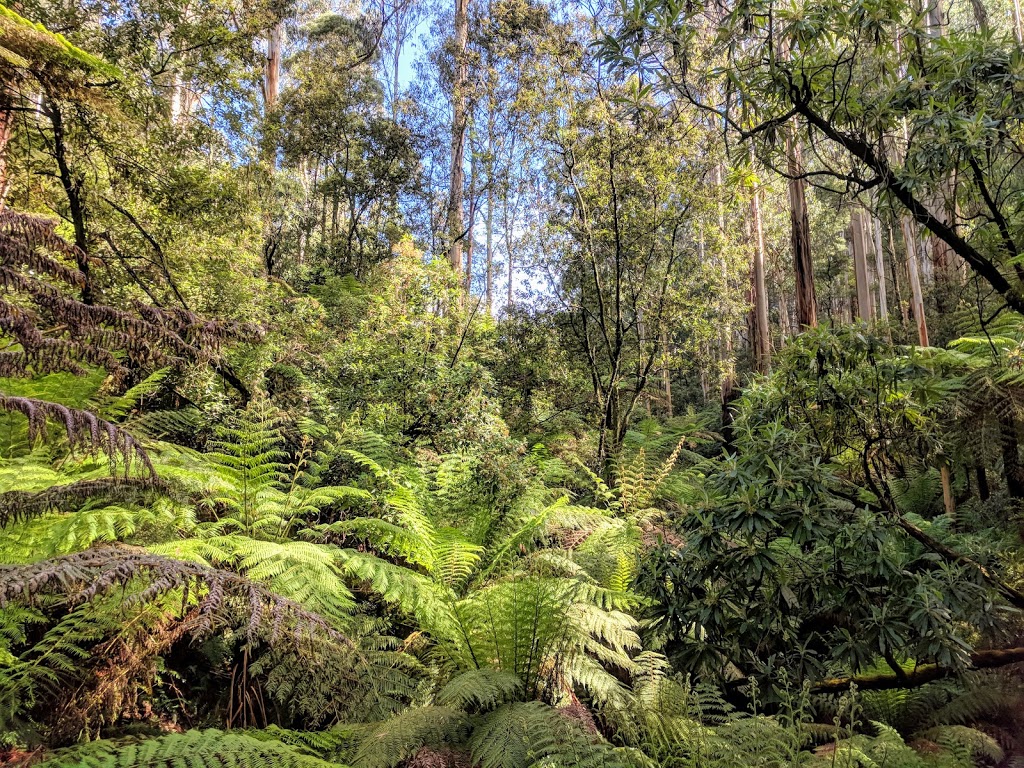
<point x="511" y="383"/>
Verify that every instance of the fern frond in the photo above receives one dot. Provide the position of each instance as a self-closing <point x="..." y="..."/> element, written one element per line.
<point x="526" y="734"/>
<point x="219" y="596"/>
<point x="82" y="428"/>
<point x="480" y="689"/>
<point x="21" y="505"/>
<point x="389" y="743"/>
<point x="192" y="749"/>
<point x="304" y="572"/>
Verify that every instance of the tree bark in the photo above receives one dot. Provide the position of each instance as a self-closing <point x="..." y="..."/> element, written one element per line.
<point x="883" y="297"/>
<point x="727" y="391"/>
<point x="272" y="73"/>
<point x="924" y="673"/>
<point x="666" y="374"/>
<point x="858" y="246"/>
<point x="800" y="238"/>
<point x="983" y="490"/>
<point x="916" y="295"/>
<point x="453" y="221"/>
<point x="72" y="184"/>
<point x="948" y="502"/>
<point x="472" y="221"/>
<point x="762" y="345"/>
<point x="489" y="217"/>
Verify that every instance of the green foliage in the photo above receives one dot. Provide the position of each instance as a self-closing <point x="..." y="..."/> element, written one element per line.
<point x="777" y="532"/>
<point x="316" y="526"/>
<point x="194" y="749"/>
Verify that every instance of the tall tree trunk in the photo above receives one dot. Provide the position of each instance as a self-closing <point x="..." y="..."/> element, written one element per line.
<point x="897" y="292"/>
<point x="472" y="222"/>
<point x="883" y="297"/>
<point x="72" y="185"/>
<point x="980" y="15"/>
<point x="908" y="226"/>
<point x="983" y="490"/>
<point x="395" y="84"/>
<point x="728" y="388"/>
<point x="508" y="254"/>
<point x="666" y="374"/>
<point x="762" y="344"/>
<point x="916" y="295"/>
<point x="860" y="266"/>
<point x="272" y="72"/>
<point x="489" y="217"/>
<point x="453" y="222"/>
<point x="946" y="478"/>
<point x="800" y="237"/>
<point x="175" y="97"/>
<point x="489" y="244"/>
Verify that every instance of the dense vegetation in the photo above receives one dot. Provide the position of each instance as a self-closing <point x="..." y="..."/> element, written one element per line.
<point x="622" y="385"/>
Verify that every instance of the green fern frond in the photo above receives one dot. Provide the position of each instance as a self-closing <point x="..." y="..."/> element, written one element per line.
<point x="525" y="734"/>
<point x="389" y="743"/>
<point x="480" y="689"/>
<point x="192" y="749"/>
<point x="117" y="408"/>
<point x="307" y="573"/>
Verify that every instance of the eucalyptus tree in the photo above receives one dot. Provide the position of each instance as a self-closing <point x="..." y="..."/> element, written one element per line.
<point x="889" y="108"/>
<point x="628" y="176"/>
<point x="350" y="160"/>
<point x="460" y="109"/>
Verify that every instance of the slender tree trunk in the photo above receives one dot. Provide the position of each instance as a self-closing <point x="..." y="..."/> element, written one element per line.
<point x="762" y="344"/>
<point x="72" y="184"/>
<point x="800" y="237"/>
<point x="983" y="490"/>
<point x="728" y="381"/>
<point x="883" y="297"/>
<point x="472" y="221"/>
<point x="897" y="292"/>
<point x="489" y="216"/>
<point x="908" y="226"/>
<point x="851" y="292"/>
<point x="666" y="374"/>
<point x="860" y="266"/>
<point x="489" y="244"/>
<point x="916" y="295"/>
<point x="948" y="502"/>
<point x="509" y="277"/>
<point x="395" y="84"/>
<point x="272" y="73"/>
<point x="453" y="222"/>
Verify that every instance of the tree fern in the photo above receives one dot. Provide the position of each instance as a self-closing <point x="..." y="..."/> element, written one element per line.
<point x="387" y="744"/>
<point x="526" y="734"/>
